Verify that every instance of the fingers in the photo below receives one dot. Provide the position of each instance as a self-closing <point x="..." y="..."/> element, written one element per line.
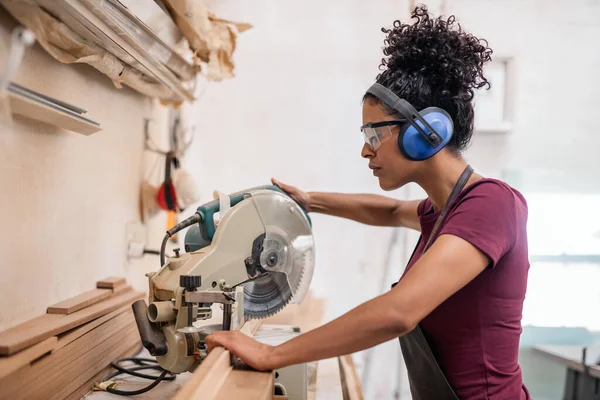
<point x="283" y="186"/>
<point x="216" y="339"/>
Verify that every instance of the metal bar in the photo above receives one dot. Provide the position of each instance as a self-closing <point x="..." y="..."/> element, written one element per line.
<point x="208" y="297"/>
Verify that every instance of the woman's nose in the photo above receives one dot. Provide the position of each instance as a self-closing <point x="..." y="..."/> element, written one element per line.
<point x="366" y="151"/>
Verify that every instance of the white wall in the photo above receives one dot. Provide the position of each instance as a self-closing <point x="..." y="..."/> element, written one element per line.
<point x="66" y="198"/>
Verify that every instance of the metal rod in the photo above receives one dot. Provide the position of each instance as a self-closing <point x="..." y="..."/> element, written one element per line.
<point x="226" y="317"/>
<point x="190" y="309"/>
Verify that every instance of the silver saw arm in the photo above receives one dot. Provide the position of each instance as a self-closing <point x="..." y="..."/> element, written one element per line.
<point x="257" y="259"/>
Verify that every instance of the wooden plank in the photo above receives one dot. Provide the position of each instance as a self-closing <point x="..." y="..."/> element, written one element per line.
<point x="90" y="368"/>
<point x="78" y="364"/>
<point x="40" y="328"/>
<point x="67" y="362"/>
<point x="160" y="71"/>
<point x="350" y="383"/>
<point x="110" y="282"/>
<point x="250" y="327"/>
<point x="73" y="334"/>
<point x="329" y="383"/>
<point x="8" y="365"/>
<point x="242" y="384"/>
<point x="99" y="377"/>
<point x="119" y="289"/>
<point x="79" y="302"/>
<point x="50" y="114"/>
<point x="211" y="377"/>
<point x="208" y="377"/>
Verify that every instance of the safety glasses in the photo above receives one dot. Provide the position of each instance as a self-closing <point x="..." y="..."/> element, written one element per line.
<point x="376" y="133"/>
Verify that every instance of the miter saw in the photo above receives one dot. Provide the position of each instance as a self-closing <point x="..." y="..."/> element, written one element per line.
<point x="256" y="259"/>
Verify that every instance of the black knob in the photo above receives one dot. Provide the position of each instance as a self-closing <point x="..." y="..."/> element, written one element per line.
<point x="190" y="282"/>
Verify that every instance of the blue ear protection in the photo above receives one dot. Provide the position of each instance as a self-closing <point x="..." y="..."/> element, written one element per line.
<point x="425" y="133"/>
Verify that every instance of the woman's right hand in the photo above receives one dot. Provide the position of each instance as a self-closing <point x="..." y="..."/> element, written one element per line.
<point x="299" y="196"/>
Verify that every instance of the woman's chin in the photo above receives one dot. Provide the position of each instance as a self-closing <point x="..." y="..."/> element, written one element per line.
<point x="388" y="185"/>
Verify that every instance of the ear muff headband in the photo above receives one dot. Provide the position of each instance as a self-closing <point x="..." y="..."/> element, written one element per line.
<point x="406" y="109"/>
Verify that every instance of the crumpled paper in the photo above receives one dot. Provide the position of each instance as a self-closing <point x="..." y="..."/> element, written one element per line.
<point x="212" y="39"/>
<point x="68" y="47"/>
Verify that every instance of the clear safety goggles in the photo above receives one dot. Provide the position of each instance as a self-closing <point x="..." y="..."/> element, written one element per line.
<point x="376" y="133"/>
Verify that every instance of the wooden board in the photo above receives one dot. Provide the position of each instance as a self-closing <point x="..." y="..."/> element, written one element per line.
<point x="208" y="377"/>
<point x="211" y="376"/>
<point x="110" y="282"/>
<point x="99" y="377"/>
<point x="121" y="289"/>
<point x="45" y="326"/>
<point x="247" y="385"/>
<point x="67" y="337"/>
<point x="50" y="114"/>
<point x="90" y="366"/>
<point x="54" y="372"/>
<point x="8" y="365"/>
<point x="350" y="383"/>
<point x="78" y="302"/>
<point x="328" y="383"/>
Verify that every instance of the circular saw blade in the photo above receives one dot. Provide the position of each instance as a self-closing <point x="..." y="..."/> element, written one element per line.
<point x="287" y="256"/>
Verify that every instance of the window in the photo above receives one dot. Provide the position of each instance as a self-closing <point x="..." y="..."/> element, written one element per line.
<point x="564" y="247"/>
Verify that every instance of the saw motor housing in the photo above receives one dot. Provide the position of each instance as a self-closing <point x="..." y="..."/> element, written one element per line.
<point x="257" y="259"/>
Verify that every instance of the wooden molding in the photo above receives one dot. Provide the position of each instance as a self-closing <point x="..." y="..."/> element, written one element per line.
<point x="79" y="302"/>
<point x="215" y="379"/>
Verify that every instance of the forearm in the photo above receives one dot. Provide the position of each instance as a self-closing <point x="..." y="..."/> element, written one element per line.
<point x="370" y="209"/>
<point x="365" y="326"/>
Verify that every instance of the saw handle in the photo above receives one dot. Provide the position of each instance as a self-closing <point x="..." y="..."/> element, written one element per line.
<point x="208" y="210"/>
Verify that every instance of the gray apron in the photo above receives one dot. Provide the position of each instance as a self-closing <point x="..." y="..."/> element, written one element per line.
<point x="427" y="381"/>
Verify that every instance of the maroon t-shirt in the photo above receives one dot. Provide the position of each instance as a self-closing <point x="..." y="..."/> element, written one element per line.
<point x="475" y="333"/>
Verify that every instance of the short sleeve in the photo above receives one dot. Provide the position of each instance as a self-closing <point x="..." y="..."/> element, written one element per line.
<point x="486" y="218"/>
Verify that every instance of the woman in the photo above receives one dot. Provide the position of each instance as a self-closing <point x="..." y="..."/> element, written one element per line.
<point x="457" y="308"/>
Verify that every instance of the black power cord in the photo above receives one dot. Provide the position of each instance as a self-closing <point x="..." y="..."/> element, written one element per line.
<point x="140" y="365"/>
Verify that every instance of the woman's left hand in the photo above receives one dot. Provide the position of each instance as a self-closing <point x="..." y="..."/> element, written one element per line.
<point x="257" y="355"/>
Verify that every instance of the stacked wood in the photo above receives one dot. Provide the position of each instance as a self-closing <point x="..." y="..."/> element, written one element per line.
<point x="60" y="355"/>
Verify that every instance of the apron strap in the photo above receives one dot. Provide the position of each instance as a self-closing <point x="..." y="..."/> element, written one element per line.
<point x="458" y="187"/>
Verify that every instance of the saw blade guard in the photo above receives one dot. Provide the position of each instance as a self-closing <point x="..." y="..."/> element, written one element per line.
<point x="287" y="254"/>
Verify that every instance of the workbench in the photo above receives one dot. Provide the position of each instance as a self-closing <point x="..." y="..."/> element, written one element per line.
<point x="324" y="383"/>
<point x="330" y="379"/>
<point x="583" y="369"/>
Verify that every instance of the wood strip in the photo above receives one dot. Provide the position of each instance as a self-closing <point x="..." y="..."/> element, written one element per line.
<point x="250" y="327"/>
<point x="8" y="365"/>
<point x="158" y="69"/>
<point x="90" y="368"/>
<point x="350" y="383"/>
<point x="99" y="377"/>
<point x="247" y="385"/>
<point x="78" y="363"/>
<point x="56" y="365"/>
<point x="73" y="334"/>
<point x="37" y="110"/>
<point x="82" y="369"/>
<point x="208" y="377"/>
<point x="328" y="384"/>
<point x="120" y="289"/>
<point x="40" y="328"/>
<point x="110" y="282"/>
<point x="79" y="302"/>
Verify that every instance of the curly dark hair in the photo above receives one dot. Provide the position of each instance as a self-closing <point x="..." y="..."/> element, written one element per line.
<point x="435" y="63"/>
